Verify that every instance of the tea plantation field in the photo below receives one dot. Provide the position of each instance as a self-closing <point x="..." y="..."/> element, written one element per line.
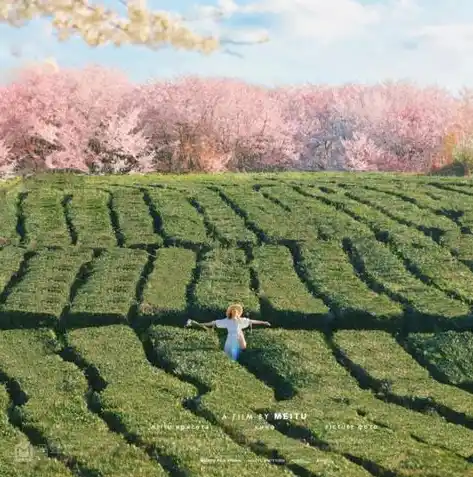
<point x="367" y="369"/>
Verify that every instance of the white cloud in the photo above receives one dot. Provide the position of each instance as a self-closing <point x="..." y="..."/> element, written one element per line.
<point x="311" y="19"/>
<point x="326" y="21"/>
<point x="453" y="36"/>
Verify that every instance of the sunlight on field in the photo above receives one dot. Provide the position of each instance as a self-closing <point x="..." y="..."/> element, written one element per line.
<point x="365" y="279"/>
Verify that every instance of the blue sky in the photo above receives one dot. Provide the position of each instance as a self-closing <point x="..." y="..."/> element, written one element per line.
<point x="311" y="41"/>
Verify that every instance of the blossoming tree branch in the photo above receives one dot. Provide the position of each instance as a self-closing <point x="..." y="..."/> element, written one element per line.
<point x="97" y="25"/>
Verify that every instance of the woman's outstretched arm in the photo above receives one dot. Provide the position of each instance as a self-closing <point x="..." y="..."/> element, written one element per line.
<point x="207" y="323"/>
<point x="259" y="322"/>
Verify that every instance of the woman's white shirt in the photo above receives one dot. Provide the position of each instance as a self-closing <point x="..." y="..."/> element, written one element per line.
<point x="233" y="325"/>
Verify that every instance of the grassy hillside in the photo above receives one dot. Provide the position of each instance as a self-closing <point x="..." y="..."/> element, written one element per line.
<point x="366" y="371"/>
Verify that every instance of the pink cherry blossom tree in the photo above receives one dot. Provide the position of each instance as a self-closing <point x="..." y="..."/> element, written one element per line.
<point x="54" y="116"/>
<point x="95" y="120"/>
<point x="214" y="124"/>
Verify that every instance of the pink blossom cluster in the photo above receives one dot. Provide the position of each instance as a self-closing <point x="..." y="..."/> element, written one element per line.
<point x="95" y="120"/>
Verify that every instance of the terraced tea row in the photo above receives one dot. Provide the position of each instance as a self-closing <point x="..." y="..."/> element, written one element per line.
<point x="51" y="408"/>
<point x="377" y="359"/>
<point x="386" y="273"/>
<point x="16" y="450"/>
<point x="425" y="259"/>
<point x="353" y="303"/>
<point x="39" y="287"/>
<point x="138" y="216"/>
<point x="196" y="437"/>
<point x="341" y="420"/>
<point x="433" y="222"/>
<point x="98" y="376"/>
<point x="446" y="355"/>
<point x="148" y="403"/>
<point x="176" y="417"/>
<point x="240" y="410"/>
<point x="125" y="217"/>
<point x="332" y="384"/>
<point x="353" y="284"/>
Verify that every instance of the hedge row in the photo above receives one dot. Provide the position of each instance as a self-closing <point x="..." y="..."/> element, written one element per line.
<point x="89" y="211"/>
<point x="351" y="420"/>
<point x="443" y="230"/>
<point x="455" y="187"/>
<point x="45" y="222"/>
<point x="331" y="274"/>
<point x="458" y="210"/>
<point x="10" y="262"/>
<point x="180" y="220"/>
<point x="285" y="299"/>
<point x="146" y="402"/>
<point x="9" y="198"/>
<point x="18" y="458"/>
<point x="40" y="296"/>
<point x="422" y="255"/>
<point x="273" y="222"/>
<point x="449" y="353"/>
<point x="57" y="411"/>
<point x="384" y="360"/>
<point x="240" y="409"/>
<point x="229" y="226"/>
<point x="412" y="193"/>
<point x="329" y="223"/>
<point x="135" y="223"/>
<point x="110" y="291"/>
<point x="402" y="210"/>
<point x="165" y="292"/>
<point x="462" y="207"/>
<point x="224" y="279"/>
<point x="426" y="303"/>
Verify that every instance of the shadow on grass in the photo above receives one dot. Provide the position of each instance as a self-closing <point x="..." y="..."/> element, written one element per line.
<point x="456" y="169"/>
<point x="290" y="319"/>
<point x="408" y="322"/>
<point x="336" y="319"/>
<point x="253" y="360"/>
